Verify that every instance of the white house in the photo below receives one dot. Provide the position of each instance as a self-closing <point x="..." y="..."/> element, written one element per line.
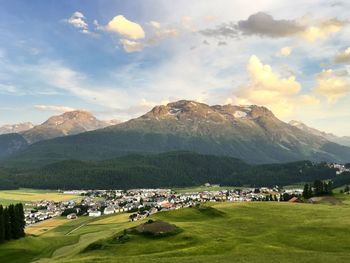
<point x="109" y="210"/>
<point x="95" y="213"/>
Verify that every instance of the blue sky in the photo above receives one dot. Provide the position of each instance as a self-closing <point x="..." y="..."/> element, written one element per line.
<point x="118" y="59"/>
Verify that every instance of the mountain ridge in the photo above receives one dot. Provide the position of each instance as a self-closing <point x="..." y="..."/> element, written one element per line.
<point x="16" y="128"/>
<point x="342" y="140"/>
<point x="68" y="123"/>
<point x="251" y="133"/>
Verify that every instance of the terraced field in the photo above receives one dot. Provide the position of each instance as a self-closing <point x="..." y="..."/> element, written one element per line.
<point x="217" y="232"/>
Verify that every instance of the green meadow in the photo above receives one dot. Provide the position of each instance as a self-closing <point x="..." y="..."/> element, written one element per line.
<point x="24" y="195"/>
<point x="216" y="232"/>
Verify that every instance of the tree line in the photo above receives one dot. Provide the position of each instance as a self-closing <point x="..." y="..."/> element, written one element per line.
<point x="318" y="188"/>
<point x="11" y="222"/>
<point x="174" y="169"/>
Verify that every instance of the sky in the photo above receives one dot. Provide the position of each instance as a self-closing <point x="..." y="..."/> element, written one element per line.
<point x="118" y="59"/>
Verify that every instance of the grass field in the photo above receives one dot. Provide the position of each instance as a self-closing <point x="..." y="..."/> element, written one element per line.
<point x="224" y="232"/>
<point x="31" y="195"/>
<point x="44" y="226"/>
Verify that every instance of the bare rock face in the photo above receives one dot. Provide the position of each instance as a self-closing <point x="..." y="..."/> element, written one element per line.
<point x="191" y="110"/>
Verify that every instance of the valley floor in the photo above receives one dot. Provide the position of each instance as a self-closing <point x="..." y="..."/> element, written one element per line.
<point x="224" y="232"/>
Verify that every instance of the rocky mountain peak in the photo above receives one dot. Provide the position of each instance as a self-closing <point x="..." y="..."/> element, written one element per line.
<point x="68" y="123"/>
<point x="71" y="116"/>
<point x="190" y="110"/>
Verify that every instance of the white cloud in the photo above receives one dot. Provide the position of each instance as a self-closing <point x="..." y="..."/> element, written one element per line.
<point x="155" y="24"/>
<point x="269" y="89"/>
<point x="333" y="85"/>
<point x="323" y="30"/>
<point x="78" y="20"/>
<point x="7" y="88"/>
<point x="188" y="24"/>
<point x="160" y="34"/>
<point x="60" y="77"/>
<point x="285" y="51"/>
<point x="131" y="46"/>
<point x="54" y="108"/>
<point x="126" y="28"/>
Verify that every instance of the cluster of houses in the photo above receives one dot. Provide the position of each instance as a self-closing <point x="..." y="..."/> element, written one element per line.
<point x="341" y="168"/>
<point x="42" y="210"/>
<point x="141" y="203"/>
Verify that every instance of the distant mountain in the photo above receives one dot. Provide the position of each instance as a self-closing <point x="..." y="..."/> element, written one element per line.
<point x="16" y="128"/>
<point x="250" y="133"/>
<point x="345" y="140"/>
<point x="68" y="123"/>
<point x="11" y="143"/>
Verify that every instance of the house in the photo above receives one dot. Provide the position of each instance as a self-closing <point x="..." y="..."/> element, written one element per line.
<point x="153" y="210"/>
<point x="109" y="210"/>
<point x="165" y="204"/>
<point x="72" y="216"/>
<point x="95" y="213"/>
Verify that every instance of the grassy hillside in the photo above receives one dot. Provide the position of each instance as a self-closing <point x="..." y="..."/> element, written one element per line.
<point x="174" y="169"/>
<point x="243" y="232"/>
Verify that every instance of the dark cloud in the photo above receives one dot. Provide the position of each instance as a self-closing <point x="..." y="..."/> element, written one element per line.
<point x="265" y="25"/>
<point x="261" y="24"/>
<point x="228" y="30"/>
<point x="337" y="4"/>
<point x="342" y="57"/>
<point x="222" y="43"/>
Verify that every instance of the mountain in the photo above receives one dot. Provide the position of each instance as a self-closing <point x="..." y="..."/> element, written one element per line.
<point x="16" y="128"/>
<point x="250" y="133"/>
<point x="172" y="169"/>
<point x="68" y="123"/>
<point x="11" y="143"/>
<point x="345" y="140"/>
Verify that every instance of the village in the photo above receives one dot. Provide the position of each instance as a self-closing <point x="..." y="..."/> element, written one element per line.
<point x="141" y="203"/>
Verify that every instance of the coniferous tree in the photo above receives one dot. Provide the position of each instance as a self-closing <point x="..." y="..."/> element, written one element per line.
<point x="347" y="189"/>
<point x="2" y="225"/>
<point x="306" y="192"/>
<point x="19" y="211"/>
<point x="325" y="188"/>
<point x="330" y="186"/>
<point x="311" y="192"/>
<point x="318" y="188"/>
<point x="7" y="224"/>
<point x="13" y="221"/>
